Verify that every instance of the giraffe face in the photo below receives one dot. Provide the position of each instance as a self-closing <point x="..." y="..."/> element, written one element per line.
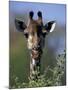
<point x="35" y="36"/>
<point x="34" y="40"/>
<point x="35" y="33"/>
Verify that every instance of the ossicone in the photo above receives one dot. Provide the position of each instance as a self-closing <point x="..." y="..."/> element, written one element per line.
<point x="31" y="13"/>
<point x="39" y="14"/>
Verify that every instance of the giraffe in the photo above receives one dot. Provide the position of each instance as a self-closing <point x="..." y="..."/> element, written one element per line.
<point x="35" y="32"/>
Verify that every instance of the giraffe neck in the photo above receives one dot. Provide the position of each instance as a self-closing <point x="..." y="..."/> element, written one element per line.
<point x="35" y="64"/>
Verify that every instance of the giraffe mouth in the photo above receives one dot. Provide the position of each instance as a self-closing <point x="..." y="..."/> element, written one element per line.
<point x="36" y="53"/>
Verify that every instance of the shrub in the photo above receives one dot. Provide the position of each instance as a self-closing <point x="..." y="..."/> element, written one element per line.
<point x="57" y="74"/>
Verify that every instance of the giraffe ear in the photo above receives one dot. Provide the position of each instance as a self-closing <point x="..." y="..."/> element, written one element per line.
<point x="20" y="25"/>
<point x="50" y="26"/>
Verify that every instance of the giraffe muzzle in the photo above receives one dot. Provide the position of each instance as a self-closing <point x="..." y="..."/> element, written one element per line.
<point x="36" y="52"/>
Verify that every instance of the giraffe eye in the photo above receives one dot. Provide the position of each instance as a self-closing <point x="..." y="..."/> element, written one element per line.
<point x="26" y="35"/>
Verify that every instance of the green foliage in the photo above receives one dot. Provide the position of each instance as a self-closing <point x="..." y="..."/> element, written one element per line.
<point x="44" y="80"/>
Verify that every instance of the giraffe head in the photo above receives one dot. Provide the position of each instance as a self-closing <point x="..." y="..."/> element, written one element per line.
<point x="35" y="33"/>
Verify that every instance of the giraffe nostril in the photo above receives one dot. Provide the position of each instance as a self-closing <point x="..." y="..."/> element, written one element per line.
<point x="36" y="47"/>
